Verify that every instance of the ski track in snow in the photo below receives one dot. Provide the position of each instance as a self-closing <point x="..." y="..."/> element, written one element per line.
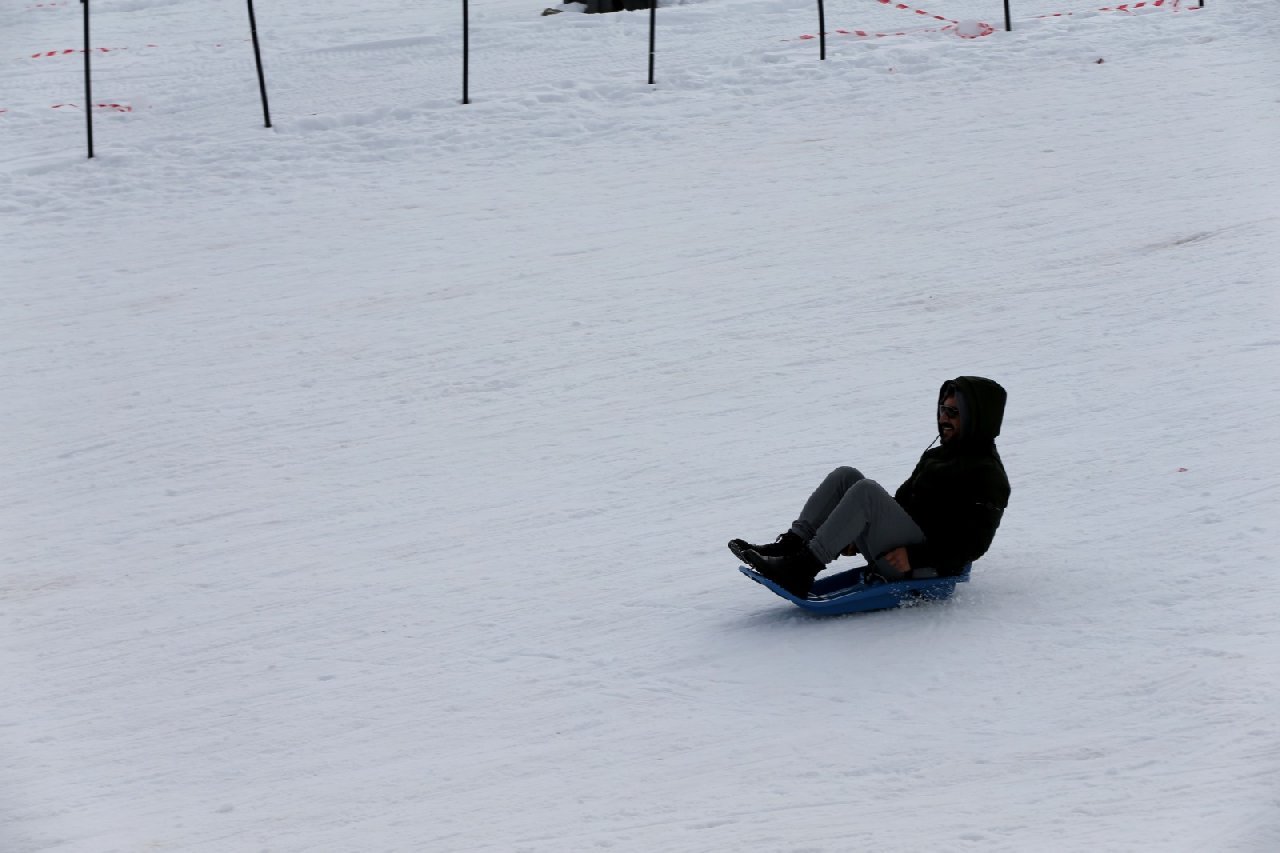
<point x="368" y="477"/>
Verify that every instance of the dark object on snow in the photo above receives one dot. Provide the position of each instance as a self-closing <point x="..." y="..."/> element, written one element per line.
<point x="88" y="85"/>
<point x="257" y="58"/>
<point x="822" y="31"/>
<point x="597" y="6"/>
<point x="550" y="11"/>
<point x="849" y="592"/>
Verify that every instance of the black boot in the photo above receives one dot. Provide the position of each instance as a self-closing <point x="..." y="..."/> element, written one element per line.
<point x="787" y="543"/>
<point x="793" y="572"/>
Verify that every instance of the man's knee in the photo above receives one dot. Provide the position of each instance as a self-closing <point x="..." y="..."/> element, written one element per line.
<point x="868" y="489"/>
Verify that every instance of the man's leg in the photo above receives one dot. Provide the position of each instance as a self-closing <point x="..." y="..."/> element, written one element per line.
<point x="846" y="508"/>
<point x="816" y="510"/>
<point x="868" y="516"/>
<point x="823" y="502"/>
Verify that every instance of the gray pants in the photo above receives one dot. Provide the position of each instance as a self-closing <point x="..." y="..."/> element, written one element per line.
<point x="848" y="509"/>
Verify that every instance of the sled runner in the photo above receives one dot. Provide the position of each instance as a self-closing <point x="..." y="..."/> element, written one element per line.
<point x="846" y="593"/>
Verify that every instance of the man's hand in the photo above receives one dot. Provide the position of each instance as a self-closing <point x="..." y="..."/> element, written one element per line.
<point x="850" y="550"/>
<point x="898" y="559"/>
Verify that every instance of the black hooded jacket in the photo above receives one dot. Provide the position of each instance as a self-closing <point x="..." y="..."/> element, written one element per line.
<point x="958" y="492"/>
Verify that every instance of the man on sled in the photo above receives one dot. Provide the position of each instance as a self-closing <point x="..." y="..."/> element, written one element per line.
<point x="941" y="519"/>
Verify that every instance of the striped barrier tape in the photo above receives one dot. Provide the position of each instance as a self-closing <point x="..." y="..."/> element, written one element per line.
<point x="971" y="30"/>
<point x="120" y="108"/>
<point x="866" y="34"/>
<point x="1174" y="5"/>
<point x="907" y="8"/>
<point x="979" y="29"/>
<point x="71" y="50"/>
<point x="966" y="30"/>
<point x="1122" y="8"/>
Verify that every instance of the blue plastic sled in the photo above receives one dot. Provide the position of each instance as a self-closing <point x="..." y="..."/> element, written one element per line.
<point x="846" y="593"/>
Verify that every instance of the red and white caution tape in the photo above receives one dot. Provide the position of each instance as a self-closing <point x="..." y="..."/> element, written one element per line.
<point x="866" y="34"/>
<point x="81" y="50"/>
<point x="1129" y="6"/>
<point x="978" y="29"/>
<point x="1174" y="5"/>
<point x="907" y="8"/>
<point x="968" y="29"/>
<point x="119" y="108"/>
<point x="964" y="29"/>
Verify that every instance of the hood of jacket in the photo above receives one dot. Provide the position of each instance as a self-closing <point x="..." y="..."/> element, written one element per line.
<point x="981" y="408"/>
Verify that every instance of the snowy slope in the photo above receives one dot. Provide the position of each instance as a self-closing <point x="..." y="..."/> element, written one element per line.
<point x="368" y="477"/>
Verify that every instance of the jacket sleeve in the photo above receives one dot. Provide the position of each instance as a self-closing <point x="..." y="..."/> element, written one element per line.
<point x="964" y="532"/>
<point x="901" y="495"/>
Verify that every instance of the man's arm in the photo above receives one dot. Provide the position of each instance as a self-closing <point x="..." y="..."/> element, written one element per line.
<point x="961" y="531"/>
<point x="961" y="538"/>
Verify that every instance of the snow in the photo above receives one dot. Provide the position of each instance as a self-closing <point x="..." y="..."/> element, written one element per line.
<point x="368" y="477"/>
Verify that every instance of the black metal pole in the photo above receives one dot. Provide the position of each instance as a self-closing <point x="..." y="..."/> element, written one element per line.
<point x="257" y="57"/>
<point x="1008" y="20"/>
<point x="653" y="35"/>
<point x="88" y="85"/>
<point x="466" y="53"/>
<point x="822" y="31"/>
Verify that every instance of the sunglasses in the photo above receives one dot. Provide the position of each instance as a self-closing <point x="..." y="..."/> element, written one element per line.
<point x="950" y="411"/>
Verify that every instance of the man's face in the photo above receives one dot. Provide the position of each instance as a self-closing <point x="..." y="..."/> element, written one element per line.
<point x="949" y="427"/>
